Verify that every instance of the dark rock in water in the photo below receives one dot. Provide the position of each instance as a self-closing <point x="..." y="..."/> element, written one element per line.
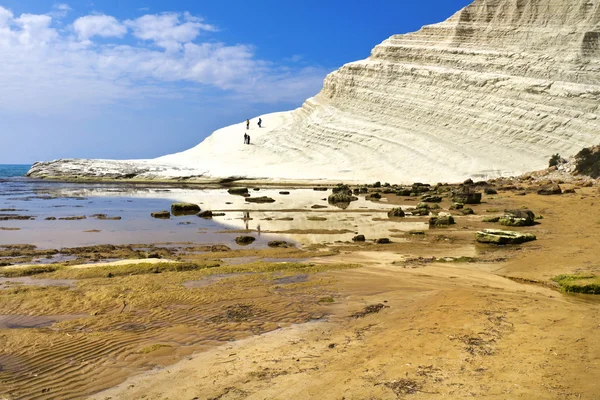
<point x="420" y="211"/>
<point x="12" y="217"/>
<point x="161" y="214"/>
<point x="238" y="191"/>
<point x="263" y="199"/>
<point x="517" y="218"/>
<point x="50" y="218"/>
<point x="549" y="190"/>
<point x="206" y="214"/>
<point x="256" y="189"/>
<point x="321" y="189"/>
<point x="317" y="206"/>
<point x="219" y="248"/>
<point x="284" y="192"/>
<point x="496" y="236"/>
<point x="75" y="218"/>
<point x="467" y="211"/>
<point x="431" y="199"/>
<point x="441" y="221"/>
<point x="244" y="240"/>
<point x="217" y="214"/>
<point x="341" y="198"/>
<point x="375" y="196"/>
<point x="490" y="191"/>
<point x="359" y="238"/>
<point x="396" y="213"/>
<point x="342" y="189"/>
<point x="466" y="196"/>
<point x="184" y="209"/>
<point x="355" y="191"/>
<point x="280" y="244"/>
<point x="383" y="241"/>
<point x="364" y="189"/>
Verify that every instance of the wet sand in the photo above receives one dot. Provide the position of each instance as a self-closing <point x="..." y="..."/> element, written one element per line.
<point x="458" y="319"/>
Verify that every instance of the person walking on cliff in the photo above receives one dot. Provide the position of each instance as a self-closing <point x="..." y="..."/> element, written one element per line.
<point x="259" y="123"/>
<point x="247" y="124"/>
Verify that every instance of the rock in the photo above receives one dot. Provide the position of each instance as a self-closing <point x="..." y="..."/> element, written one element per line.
<point x="497" y="236"/>
<point x="587" y="162"/>
<point x="403" y="192"/>
<point x="467" y="211"/>
<point x="549" y="190"/>
<point x="431" y="199"/>
<point x="491" y="219"/>
<point x="317" y="206"/>
<point x="416" y="232"/>
<point x="341" y="198"/>
<point x="280" y="244"/>
<point x="238" y="191"/>
<point x="441" y="221"/>
<point x="468" y="182"/>
<point x="383" y="241"/>
<point x="321" y="189"/>
<point x="466" y="196"/>
<point x="50" y="218"/>
<point x="207" y="214"/>
<point x="219" y="248"/>
<point x="263" y="199"/>
<point x="377" y="184"/>
<point x="396" y="213"/>
<point x="375" y="196"/>
<point x="244" y="240"/>
<point x="490" y="191"/>
<point x="285" y="192"/>
<point x="457" y="206"/>
<point x="364" y="189"/>
<point x="161" y="214"/>
<point x="256" y="189"/>
<point x="341" y="188"/>
<point x="517" y="218"/>
<point x="184" y="209"/>
<point x="359" y="238"/>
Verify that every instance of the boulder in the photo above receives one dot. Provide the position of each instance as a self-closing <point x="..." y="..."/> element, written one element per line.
<point x="238" y="191"/>
<point x="442" y="220"/>
<point x="207" y="214"/>
<point x="497" y="236"/>
<point x="280" y="244"/>
<point x="517" y="218"/>
<point x="341" y="188"/>
<point x="359" y="238"/>
<point x="491" y="219"/>
<point x="262" y="199"/>
<point x="549" y="190"/>
<point x="466" y="196"/>
<point x="161" y="214"/>
<point x="457" y="206"/>
<point x="431" y="199"/>
<point x="490" y="191"/>
<point x="375" y="196"/>
<point x="383" y="241"/>
<point x="341" y="198"/>
<point x="403" y="192"/>
<point x="244" y="240"/>
<point x="396" y="213"/>
<point x="184" y="209"/>
<point x="285" y="192"/>
<point x="467" y="211"/>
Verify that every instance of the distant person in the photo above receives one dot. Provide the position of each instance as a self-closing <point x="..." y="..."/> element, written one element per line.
<point x="259" y="123"/>
<point x="247" y="124"/>
<point x="248" y="139"/>
<point x="245" y="138"/>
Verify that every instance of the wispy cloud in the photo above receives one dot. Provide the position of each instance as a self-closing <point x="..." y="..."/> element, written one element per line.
<point x="99" y="59"/>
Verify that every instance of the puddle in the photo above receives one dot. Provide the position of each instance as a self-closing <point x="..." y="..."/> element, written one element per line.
<point x="6" y="283"/>
<point x="209" y="280"/>
<point x="32" y="321"/>
<point x="291" y="279"/>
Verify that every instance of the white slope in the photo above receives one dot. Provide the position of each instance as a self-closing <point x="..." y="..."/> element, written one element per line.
<point x="494" y="90"/>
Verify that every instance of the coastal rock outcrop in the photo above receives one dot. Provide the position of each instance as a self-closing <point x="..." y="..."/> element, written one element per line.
<point x="494" y="90"/>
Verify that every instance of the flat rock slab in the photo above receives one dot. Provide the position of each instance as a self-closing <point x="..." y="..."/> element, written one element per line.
<point x="497" y="236"/>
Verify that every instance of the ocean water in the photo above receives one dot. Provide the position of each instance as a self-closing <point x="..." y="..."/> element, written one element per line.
<point x="13" y="170"/>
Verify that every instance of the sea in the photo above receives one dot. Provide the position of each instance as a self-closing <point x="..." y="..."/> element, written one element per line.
<point x="56" y="215"/>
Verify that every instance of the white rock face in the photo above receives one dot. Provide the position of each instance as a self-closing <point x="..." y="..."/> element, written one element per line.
<point x="494" y="90"/>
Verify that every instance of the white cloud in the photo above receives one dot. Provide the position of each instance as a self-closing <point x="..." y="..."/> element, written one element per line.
<point x="48" y="71"/>
<point x="167" y="30"/>
<point x="60" y="10"/>
<point x="98" y="25"/>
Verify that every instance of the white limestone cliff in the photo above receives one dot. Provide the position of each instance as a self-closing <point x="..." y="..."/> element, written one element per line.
<point x="495" y="90"/>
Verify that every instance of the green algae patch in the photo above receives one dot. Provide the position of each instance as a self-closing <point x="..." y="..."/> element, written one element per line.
<point x="585" y="284"/>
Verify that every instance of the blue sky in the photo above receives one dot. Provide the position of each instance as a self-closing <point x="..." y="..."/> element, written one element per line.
<point x="144" y="78"/>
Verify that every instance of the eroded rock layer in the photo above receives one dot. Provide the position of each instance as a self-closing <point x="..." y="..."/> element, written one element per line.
<point x="495" y="90"/>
